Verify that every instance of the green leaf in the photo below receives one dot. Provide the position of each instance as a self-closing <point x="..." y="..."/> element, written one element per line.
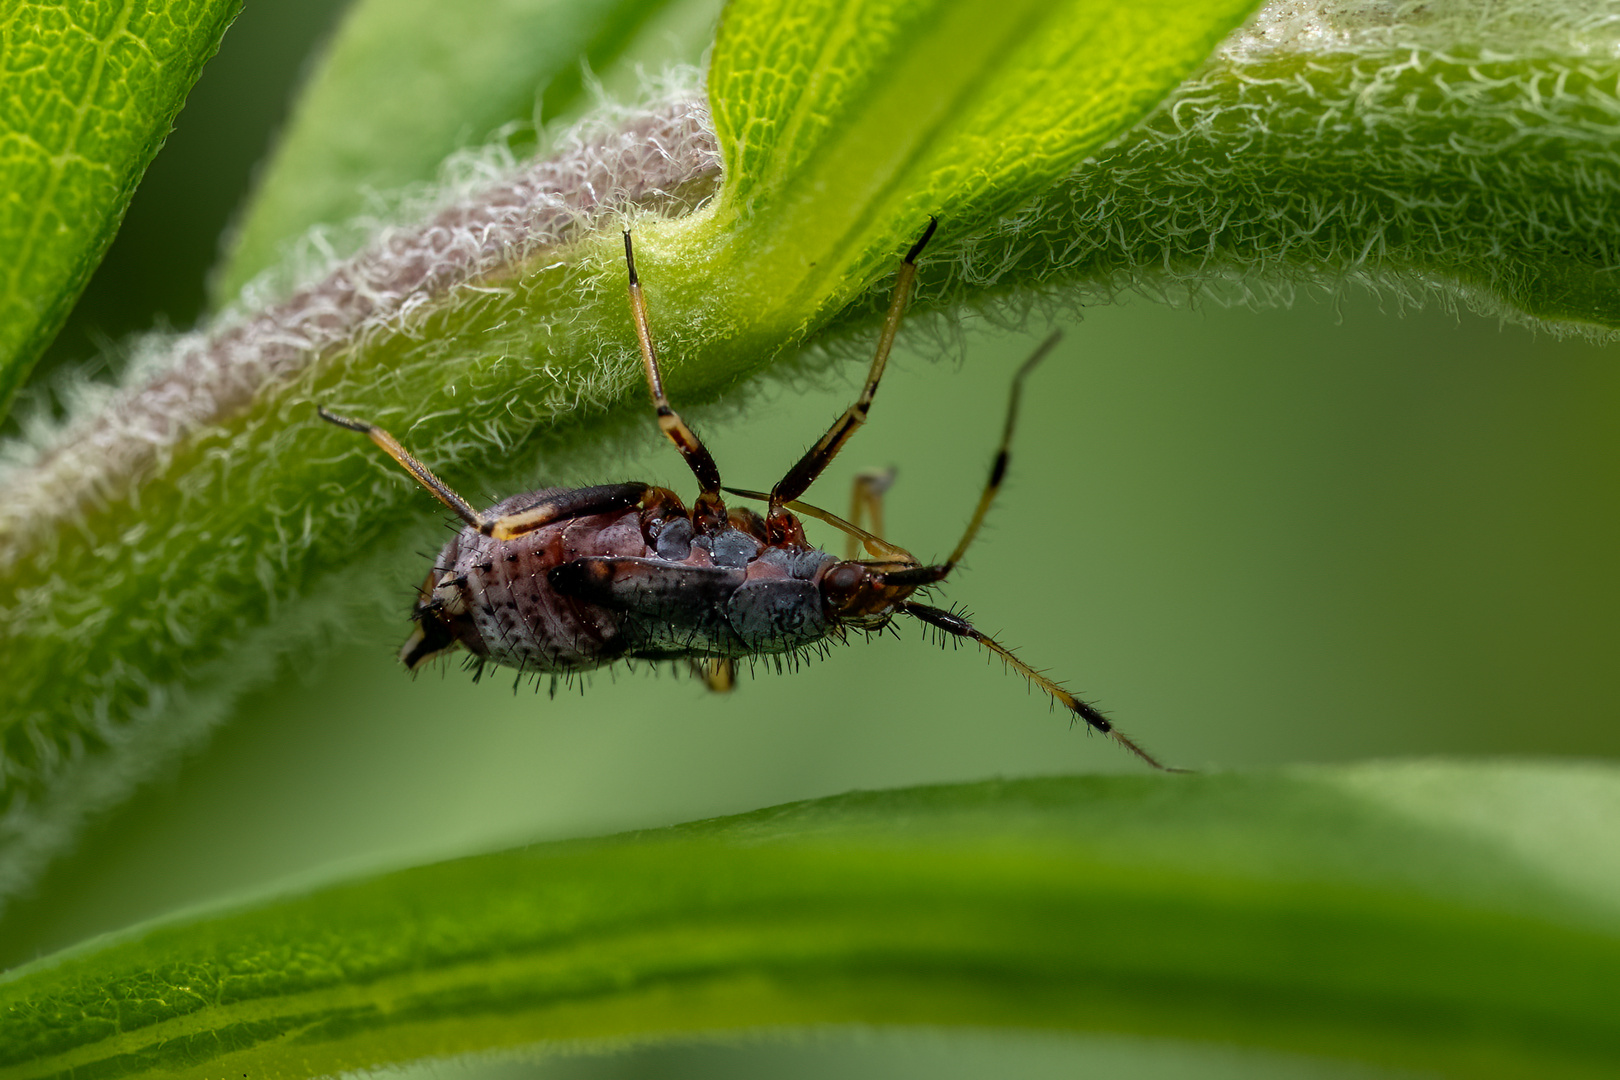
<point x="1459" y="919"/>
<point x="1445" y="149"/>
<point x="227" y="509"/>
<point x="91" y="89"/>
<point x="845" y="127"/>
<point x="406" y="82"/>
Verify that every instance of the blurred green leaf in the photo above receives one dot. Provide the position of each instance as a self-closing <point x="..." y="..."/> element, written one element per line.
<point x="1459" y="919"/>
<point x="406" y="82"/>
<point x="90" y="90"/>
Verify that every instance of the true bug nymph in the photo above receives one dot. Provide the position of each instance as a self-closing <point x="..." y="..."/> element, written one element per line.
<point x="562" y="581"/>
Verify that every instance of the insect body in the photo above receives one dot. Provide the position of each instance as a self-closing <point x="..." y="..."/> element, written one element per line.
<point x="566" y="580"/>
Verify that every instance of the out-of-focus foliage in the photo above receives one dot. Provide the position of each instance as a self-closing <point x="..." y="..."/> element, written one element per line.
<point x="432" y="80"/>
<point x="90" y="90"/>
<point x="1458" y="924"/>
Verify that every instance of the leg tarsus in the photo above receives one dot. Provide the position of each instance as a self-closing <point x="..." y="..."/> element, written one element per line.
<point x="719" y="673"/>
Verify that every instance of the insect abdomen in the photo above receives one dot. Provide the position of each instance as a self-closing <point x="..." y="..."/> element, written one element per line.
<point x="515" y="617"/>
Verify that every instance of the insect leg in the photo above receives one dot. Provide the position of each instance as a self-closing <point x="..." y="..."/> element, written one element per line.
<point x="918" y="576"/>
<point x="802" y="475"/>
<point x="564" y="505"/>
<point x="423" y="476"/>
<point x="709" y="505"/>
<point x="867" y="499"/>
<point x="957" y="626"/>
<point x="876" y="546"/>
<point x="719" y="673"/>
<point x="998" y="469"/>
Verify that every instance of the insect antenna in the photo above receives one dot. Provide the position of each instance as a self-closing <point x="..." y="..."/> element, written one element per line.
<point x="423" y="475"/>
<point x="998" y="467"/>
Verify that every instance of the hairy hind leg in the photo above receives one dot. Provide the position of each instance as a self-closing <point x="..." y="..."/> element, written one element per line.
<point x="957" y="626"/>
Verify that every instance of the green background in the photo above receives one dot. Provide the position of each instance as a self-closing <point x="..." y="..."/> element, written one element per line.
<point x="1332" y="533"/>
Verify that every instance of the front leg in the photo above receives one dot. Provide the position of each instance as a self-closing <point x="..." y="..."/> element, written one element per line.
<point x="866" y="500"/>
<point x="564" y="505"/>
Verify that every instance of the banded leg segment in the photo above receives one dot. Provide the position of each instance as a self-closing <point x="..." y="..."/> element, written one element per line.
<point x="802" y="475"/>
<point x="698" y="459"/>
<point x="998" y="468"/>
<point x="918" y="576"/>
<point x="957" y="626"/>
<point x="423" y="475"/>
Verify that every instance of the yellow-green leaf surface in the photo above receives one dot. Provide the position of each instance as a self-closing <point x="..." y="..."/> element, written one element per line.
<point x="88" y="90"/>
<point x="406" y="82"/>
<point x="1458" y="919"/>
<point x="845" y="128"/>
<point x="477" y="331"/>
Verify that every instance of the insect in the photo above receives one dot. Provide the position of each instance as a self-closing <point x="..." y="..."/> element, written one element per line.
<point x="561" y="581"/>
